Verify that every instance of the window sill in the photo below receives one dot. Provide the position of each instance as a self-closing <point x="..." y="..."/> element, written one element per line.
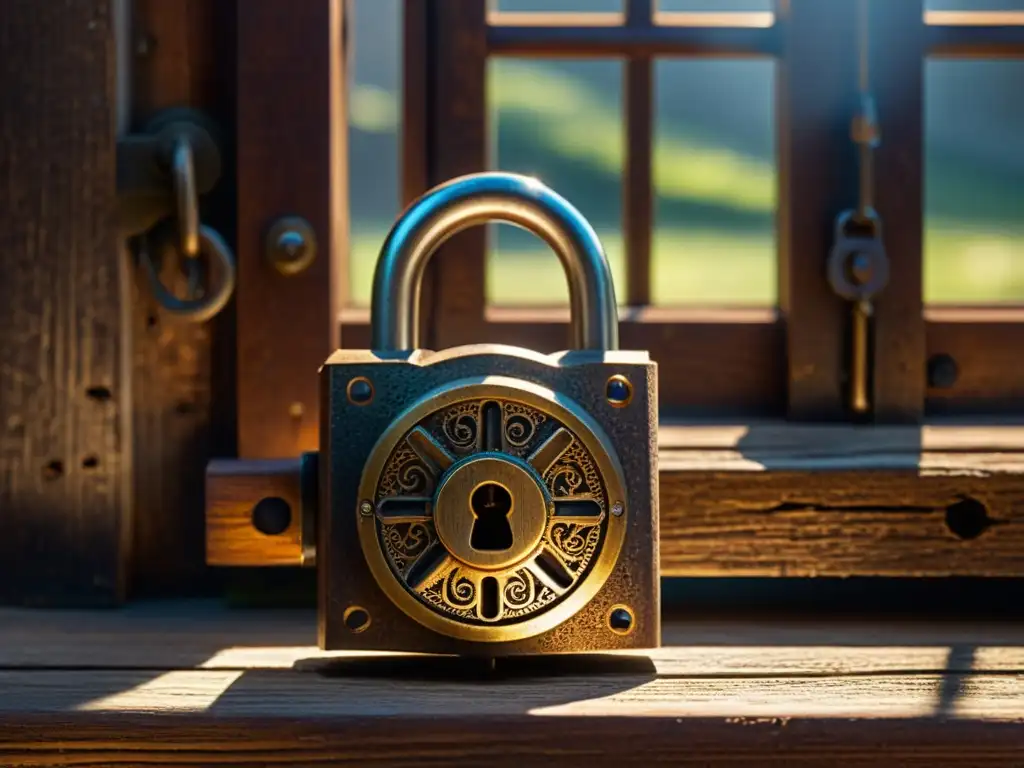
<point x="763" y="499"/>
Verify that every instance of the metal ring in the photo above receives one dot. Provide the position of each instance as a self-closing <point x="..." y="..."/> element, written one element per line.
<point x="213" y="246"/>
<point x="183" y="172"/>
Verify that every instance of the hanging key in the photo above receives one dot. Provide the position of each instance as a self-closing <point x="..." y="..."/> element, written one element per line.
<point x="858" y="269"/>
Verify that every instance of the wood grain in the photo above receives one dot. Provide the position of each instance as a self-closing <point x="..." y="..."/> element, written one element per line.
<point x="240" y="688"/>
<point x="985" y="343"/>
<point x="775" y="499"/>
<point x="178" y="59"/>
<point x="896" y="62"/>
<point x="458" y="120"/>
<point x="291" y="162"/>
<point x="231" y="537"/>
<point x="202" y="635"/>
<point x="817" y="180"/>
<point x="778" y="740"/>
<point x="65" y="387"/>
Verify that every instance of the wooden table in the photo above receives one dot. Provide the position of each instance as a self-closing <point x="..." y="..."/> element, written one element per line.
<point x="190" y="683"/>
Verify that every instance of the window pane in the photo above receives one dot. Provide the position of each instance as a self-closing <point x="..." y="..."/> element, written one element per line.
<point x="557" y="6"/>
<point x="721" y="6"/>
<point x="715" y="183"/>
<point x="974" y="195"/>
<point x="374" y="115"/>
<point x="560" y="121"/>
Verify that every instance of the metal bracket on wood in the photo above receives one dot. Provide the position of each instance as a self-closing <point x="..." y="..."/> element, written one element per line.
<point x="145" y="188"/>
<point x="161" y="174"/>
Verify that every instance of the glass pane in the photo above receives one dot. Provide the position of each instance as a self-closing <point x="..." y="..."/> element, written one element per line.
<point x="974" y="195"/>
<point x="557" y="6"/>
<point x="560" y="121"/>
<point x="374" y="148"/>
<point x="715" y="183"/>
<point x="721" y="6"/>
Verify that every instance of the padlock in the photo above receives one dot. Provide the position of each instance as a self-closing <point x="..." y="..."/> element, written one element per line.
<point x="858" y="267"/>
<point x="488" y="499"/>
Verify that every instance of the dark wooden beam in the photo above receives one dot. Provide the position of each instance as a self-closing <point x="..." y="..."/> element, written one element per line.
<point x="817" y="90"/>
<point x="896" y="71"/>
<point x="179" y="53"/>
<point x="65" y="386"/>
<point x="291" y="162"/>
<point x="638" y="182"/>
<point x="736" y="35"/>
<point x="458" y="145"/>
<point x="975" y="34"/>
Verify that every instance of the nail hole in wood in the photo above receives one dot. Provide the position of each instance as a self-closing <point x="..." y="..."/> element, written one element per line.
<point x="53" y="470"/>
<point x="90" y="462"/>
<point x="99" y="394"/>
<point x="967" y="519"/>
<point x="151" y="321"/>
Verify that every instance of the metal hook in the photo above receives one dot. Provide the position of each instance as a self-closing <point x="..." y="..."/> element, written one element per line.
<point x="216" y="294"/>
<point x="183" y="174"/>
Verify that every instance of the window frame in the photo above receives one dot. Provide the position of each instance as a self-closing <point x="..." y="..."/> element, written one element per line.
<point x="742" y="362"/>
<point x="726" y="364"/>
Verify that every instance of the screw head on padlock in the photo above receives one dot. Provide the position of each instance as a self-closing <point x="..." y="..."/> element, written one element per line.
<point x="858" y="266"/>
<point x="490" y="499"/>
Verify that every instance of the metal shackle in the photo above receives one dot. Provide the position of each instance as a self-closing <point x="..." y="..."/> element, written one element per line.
<point x="483" y="198"/>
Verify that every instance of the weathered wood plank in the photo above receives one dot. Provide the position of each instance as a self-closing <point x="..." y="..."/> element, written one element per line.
<point x="175" y="63"/>
<point x="291" y="162"/>
<point x="412" y="691"/>
<point x="425" y="739"/>
<point x="192" y="684"/>
<point x="772" y="499"/>
<point x="65" y="388"/>
<point x="817" y="180"/>
<point x="897" y="53"/>
<point x="202" y="635"/>
<point x="457" y="126"/>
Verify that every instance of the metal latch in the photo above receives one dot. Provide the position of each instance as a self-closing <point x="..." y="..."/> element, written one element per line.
<point x="161" y="174"/>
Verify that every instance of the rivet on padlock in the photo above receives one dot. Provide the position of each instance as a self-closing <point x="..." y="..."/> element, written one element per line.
<point x="493" y="500"/>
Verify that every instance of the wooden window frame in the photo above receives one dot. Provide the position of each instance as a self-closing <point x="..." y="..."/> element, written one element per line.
<point x="767" y="497"/>
<point x="738" y="362"/>
<point x="783" y="362"/>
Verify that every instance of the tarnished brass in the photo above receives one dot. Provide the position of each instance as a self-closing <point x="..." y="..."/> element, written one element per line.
<point x="489" y="499"/>
<point x="561" y="473"/>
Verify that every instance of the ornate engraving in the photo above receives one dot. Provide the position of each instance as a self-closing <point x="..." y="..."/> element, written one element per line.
<point x="461" y="425"/>
<point x="455" y="589"/>
<point x="404" y="542"/>
<point x="575" y="474"/>
<point x="524" y="595"/>
<point x="576" y="543"/>
<point x="405" y="474"/>
<point x="520" y="424"/>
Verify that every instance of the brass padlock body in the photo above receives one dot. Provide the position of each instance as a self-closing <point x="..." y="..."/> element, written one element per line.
<point x="367" y="396"/>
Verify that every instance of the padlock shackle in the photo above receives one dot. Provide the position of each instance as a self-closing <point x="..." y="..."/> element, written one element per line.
<point x="483" y="198"/>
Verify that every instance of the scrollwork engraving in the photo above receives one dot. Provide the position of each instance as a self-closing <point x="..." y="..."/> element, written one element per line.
<point x="455" y="590"/>
<point x="405" y="474"/>
<point x="461" y="425"/>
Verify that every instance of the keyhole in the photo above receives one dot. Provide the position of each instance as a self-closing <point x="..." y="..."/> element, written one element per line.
<point x="490" y="504"/>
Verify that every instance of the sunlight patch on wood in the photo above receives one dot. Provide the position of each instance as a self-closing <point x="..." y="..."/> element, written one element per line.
<point x="177" y="691"/>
